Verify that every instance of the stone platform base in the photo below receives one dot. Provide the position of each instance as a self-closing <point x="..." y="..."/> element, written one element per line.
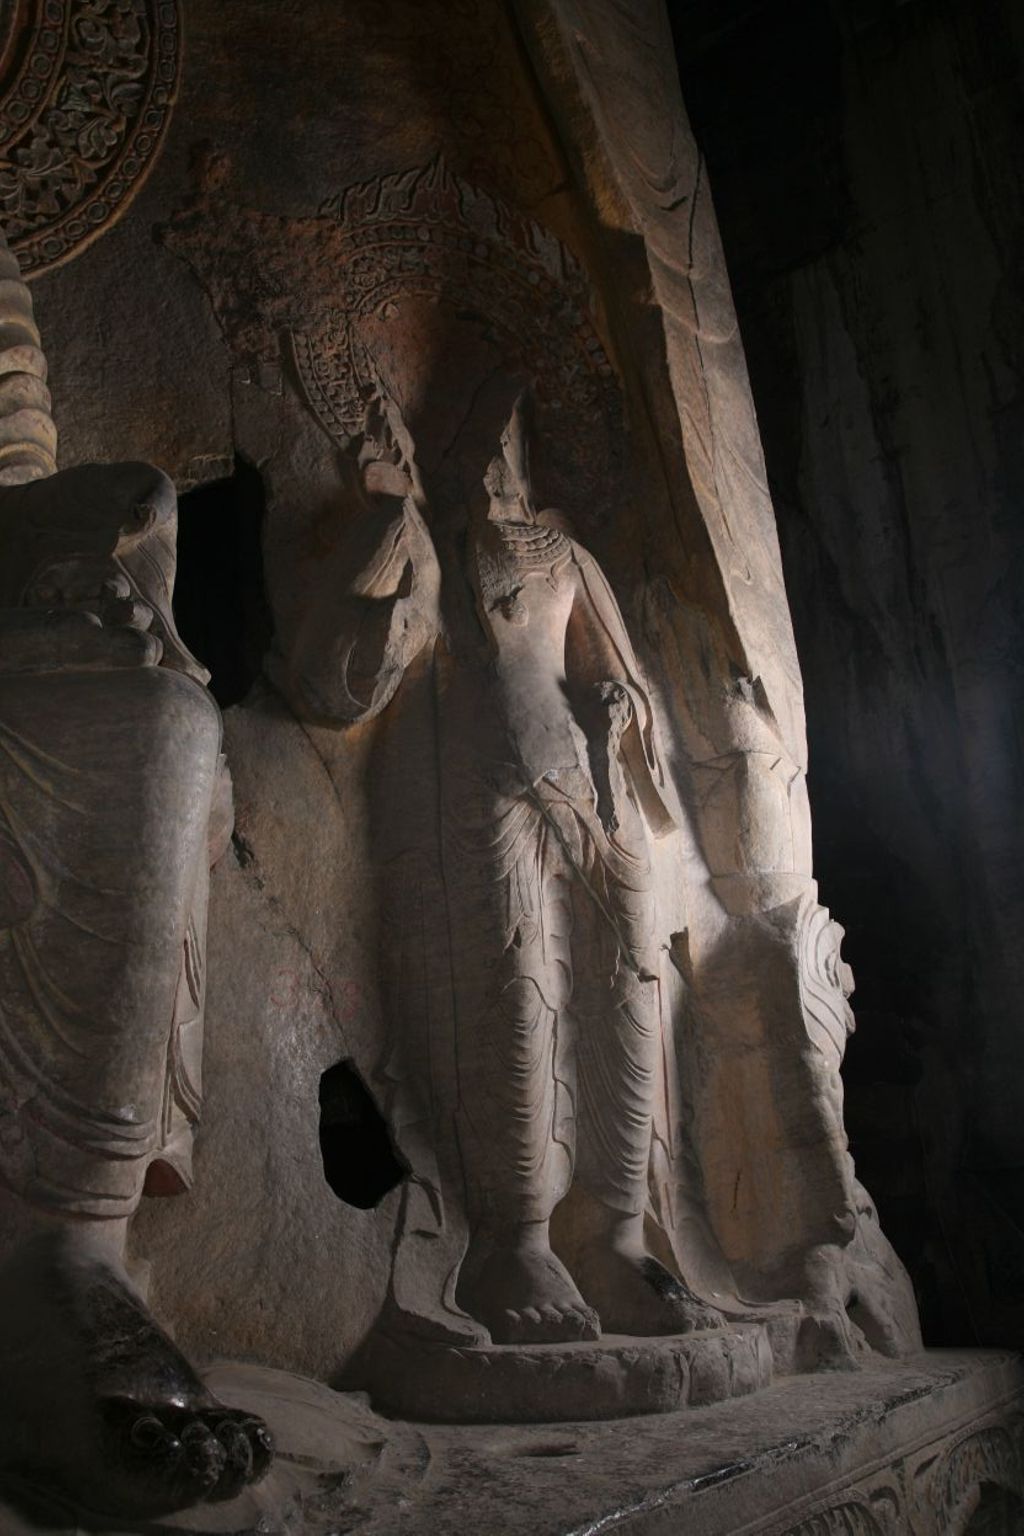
<point x="613" y="1378"/>
<point x="930" y="1447"/>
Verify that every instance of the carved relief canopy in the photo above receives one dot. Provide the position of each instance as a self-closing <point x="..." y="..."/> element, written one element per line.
<point x="428" y="283"/>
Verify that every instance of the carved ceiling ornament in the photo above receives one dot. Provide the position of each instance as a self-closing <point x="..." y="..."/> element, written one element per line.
<point x="86" y="91"/>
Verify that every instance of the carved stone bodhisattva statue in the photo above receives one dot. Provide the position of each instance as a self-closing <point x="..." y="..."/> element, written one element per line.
<point x="550" y="789"/>
<point x="113" y="802"/>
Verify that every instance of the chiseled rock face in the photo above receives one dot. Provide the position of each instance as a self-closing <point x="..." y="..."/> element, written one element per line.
<point x="929" y="1445"/>
<point x="875" y="263"/>
<point x="525" y="1023"/>
<point x="523" y="863"/>
<point x="398" y="929"/>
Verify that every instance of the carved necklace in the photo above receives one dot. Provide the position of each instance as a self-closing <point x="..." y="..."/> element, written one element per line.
<point x="531" y="544"/>
<point x="505" y="553"/>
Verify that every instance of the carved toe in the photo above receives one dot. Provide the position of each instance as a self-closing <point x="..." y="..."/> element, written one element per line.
<point x="167" y="1458"/>
<point x="547" y="1324"/>
<point x="151" y="1440"/>
<point x="247" y="1447"/>
<point x="261" y="1443"/>
<point x="203" y="1455"/>
<point x="176" y="1456"/>
<point x="237" y="1451"/>
<point x="586" y="1323"/>
<point x="515" y="1327"/>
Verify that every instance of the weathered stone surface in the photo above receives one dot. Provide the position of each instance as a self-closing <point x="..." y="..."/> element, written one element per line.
<point x="263" y="1260"/>
<point x="746" y="904"/>
<point x="741" y="729"/>
<point x="543" y="1383"/>
<point x="644" y="1002"/>
<point x="523" y="939"/>
<point x="323" y="1441"/>
<point x="932" y="1447"/>
<point x="865" y="170"/>
<point x="382" y="277"/>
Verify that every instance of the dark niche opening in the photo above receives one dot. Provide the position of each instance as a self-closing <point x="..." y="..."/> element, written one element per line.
<point x="360" y="1163"/>
<point x="220" y="604"/>
<point x="998" y="1512"/>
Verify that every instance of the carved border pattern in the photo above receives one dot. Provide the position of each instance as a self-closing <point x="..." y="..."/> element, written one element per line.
<point x="934" y="1491"/>
<point x="86" y="97"/>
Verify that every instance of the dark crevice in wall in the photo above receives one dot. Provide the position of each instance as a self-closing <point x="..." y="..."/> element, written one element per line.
<point x="360" y="1163"/>
<point x="220" y="604"/>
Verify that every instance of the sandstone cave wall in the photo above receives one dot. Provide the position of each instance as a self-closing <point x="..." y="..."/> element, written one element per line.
<point x="165" y="347"/>
<point x="177" y="338"/>
<point x="281" y="108"/>
<point x="866" y="160"/>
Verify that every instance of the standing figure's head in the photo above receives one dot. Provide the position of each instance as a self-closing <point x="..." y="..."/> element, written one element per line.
<point x="507" y="477"/>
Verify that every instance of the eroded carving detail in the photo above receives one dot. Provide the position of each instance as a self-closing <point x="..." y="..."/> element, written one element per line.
<point x="827" y="982"/>
<point x="430" y="233"/>
<point x="413" y="296"/>
<point x="410" y="241"/>
<point x="850" y="1518"/>
<point x="987" y="1456"/>
<point x="935" y="1491"/>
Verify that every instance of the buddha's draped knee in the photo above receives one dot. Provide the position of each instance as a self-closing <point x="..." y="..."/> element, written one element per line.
<point x="106" y="782"/>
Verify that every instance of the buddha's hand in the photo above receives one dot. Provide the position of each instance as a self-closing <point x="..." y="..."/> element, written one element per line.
<point x="87" y="555"/>
<point x="98" y="586"/>
<point x="71" y="639"/>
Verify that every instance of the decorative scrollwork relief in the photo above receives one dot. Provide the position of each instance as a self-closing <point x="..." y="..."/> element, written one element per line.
<point x="982" y="1457"/>
<point x="934" y="1491"/>
<point x="86" y="91"/>
<point x="851" y="1518"/>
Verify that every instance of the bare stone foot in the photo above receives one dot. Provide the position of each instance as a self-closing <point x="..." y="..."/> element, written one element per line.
<point x="100" y="1411"/>
<point x="523" y="1294"/>
<point x="635" y="1294"/>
